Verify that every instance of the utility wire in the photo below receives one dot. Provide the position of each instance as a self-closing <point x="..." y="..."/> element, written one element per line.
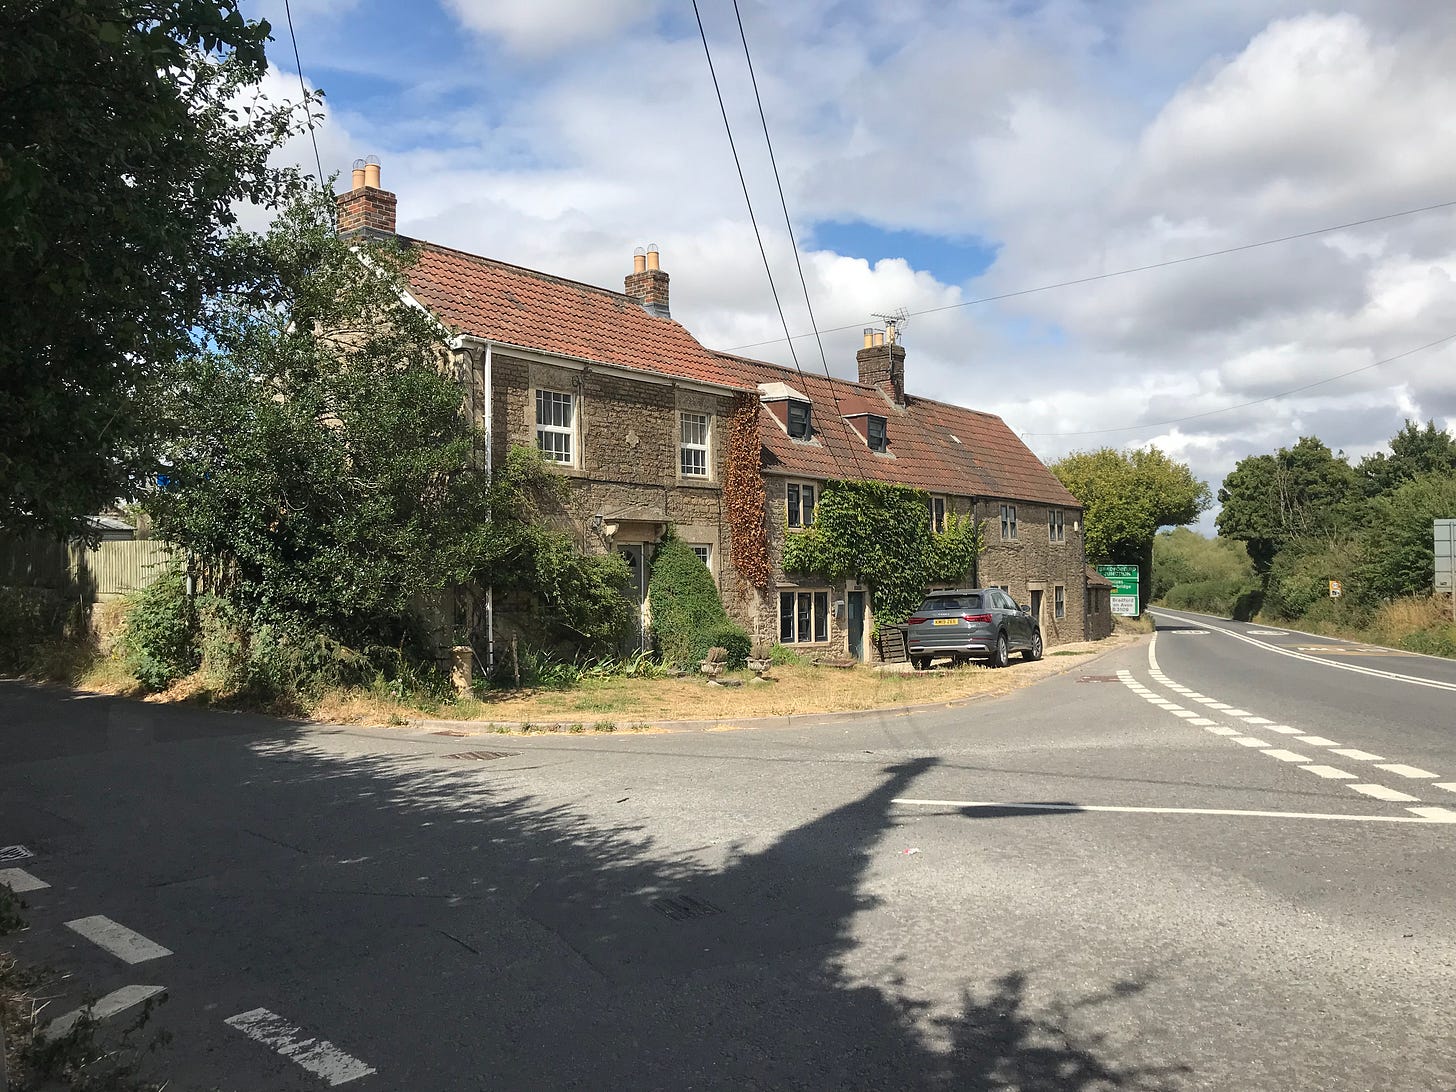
<point x="1140" y="268"/>
<point x="1256" y="401"/>
<point x="717" y="90"/>
<point x="789" y="227"/>
<point x="307" y="113"/>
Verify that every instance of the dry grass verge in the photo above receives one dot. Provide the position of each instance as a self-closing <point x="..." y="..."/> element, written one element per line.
<point x="606" y="704"/>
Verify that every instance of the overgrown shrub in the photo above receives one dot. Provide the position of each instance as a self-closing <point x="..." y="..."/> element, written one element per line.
<point x="687" y="612"/>
<point x="159" y="645"/>
<point x="731" y="639"/>
<point x="29" y="619"/>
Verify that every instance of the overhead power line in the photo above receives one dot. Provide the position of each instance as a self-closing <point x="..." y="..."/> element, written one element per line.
<point x="1256" y="401"/>
<point x="742" y="181"/>
<point x="1137" y="268"/>
<point x="303" y="89"/>
<point x="789" y="227"/>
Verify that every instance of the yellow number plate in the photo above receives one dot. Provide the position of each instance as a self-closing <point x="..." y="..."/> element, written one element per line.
<point x="946" y="621"/>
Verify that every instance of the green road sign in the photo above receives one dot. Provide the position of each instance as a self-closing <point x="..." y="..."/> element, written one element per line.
<point x="1124" y="588"/>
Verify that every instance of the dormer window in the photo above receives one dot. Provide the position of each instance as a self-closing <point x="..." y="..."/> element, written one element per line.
<point x="877" y="436"/>
<point x="799" y="425"/>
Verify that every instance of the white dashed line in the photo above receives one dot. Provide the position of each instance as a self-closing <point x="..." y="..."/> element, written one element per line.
<point x="114" y="1002"/>
<point x="1258" y="720"/>
<point x="1449" y="786"/>
<point x="1402" y="770"/>
<point x="1220" y="730"/>
<point x="1282" y="729"/>
<point x="1441" y="815"/>
<point x="1237" y="712"/>
<point x="1220" y="706"/>
<point x="318" y="1056"/>
<point x="1185" y="714"/>
<point x="1328" y="771"/>
<point x="1380" y="792"/>
<point x="1286" y="756"/>
<point x="1357" y="754"/>
<point x="1249" y="741"/>
<point x="1202" y="722"/>
<point x="1317" y="741"/>
<point x="117" y="939"/>
<point x="20" y="881"/>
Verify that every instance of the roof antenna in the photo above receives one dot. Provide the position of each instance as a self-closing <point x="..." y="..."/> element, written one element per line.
<point x="895" y="321"/>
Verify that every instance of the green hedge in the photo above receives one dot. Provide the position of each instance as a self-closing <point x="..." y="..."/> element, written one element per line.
<point x="687" y="613"/>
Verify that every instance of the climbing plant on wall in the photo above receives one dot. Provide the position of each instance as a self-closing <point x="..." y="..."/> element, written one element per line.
<point x="880" y="535"/>
<point x="743" y="495"/>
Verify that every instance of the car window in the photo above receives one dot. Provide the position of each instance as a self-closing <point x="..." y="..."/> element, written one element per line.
<point x="951" y="602"/>
<point x="1004" y="601"/>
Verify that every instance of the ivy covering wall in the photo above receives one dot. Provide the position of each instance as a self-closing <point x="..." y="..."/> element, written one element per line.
<point x="880" y="535"/>
<point x="743" y="495"/>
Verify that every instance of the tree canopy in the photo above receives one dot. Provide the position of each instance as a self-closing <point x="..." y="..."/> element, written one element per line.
<point x="1126" y="496"/>
<point x="129" y="131"/>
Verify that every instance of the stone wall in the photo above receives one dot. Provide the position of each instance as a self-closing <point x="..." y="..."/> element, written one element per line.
<point x="1031" y="562"/>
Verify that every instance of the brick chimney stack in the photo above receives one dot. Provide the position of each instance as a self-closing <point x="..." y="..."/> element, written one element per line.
<point x="366" y="211"/>
<point x="647" y="283"/>
<point x="883" y="365"/>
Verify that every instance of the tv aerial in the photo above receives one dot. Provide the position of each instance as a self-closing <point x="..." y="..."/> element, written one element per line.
<point x="895" y="321"/>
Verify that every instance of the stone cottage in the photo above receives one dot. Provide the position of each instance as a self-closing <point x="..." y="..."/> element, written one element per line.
<point x="637" y="414"/>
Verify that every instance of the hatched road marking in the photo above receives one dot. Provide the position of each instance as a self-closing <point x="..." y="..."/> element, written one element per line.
<point x="318" y="1056"/>
<point x="126" y="945"/>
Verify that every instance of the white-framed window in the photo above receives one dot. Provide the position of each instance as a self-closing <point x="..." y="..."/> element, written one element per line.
<point x="704" y="550"/>
<point x="877" y="433"/>
<point x="803" y="617"/>
<point x="1059" y="601"/>
<point x="800" y="424"/>
<point x="1008" y="522"/>
<point x="937" y="514"/>
<point x="799" y="500"/>
<point x="556" y="426"/>
<point x="693" y="445"/>
<point x="1056" y="525"/>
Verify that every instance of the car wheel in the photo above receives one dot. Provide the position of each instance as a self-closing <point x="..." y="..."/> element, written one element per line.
<point x="1002" y="656"/>
<point x="1034" y="652"/>
<point x="920" y="663"/>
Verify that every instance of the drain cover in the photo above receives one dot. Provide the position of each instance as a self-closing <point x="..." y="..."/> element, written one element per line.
<point x="14" y="853"/>
<point x="1098" y="678"/>
<point x="450" y="732"/>
<point x="684" y="907"/>
<point x="481" y="756"/>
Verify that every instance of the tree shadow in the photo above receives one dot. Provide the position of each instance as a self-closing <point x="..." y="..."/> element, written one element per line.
<point x="528" y="942"/>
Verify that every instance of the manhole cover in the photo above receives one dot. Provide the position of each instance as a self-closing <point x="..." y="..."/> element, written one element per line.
<point x="684" y="907"/>
<point x="481" y="756"/>
<point x="1098" y="678"/>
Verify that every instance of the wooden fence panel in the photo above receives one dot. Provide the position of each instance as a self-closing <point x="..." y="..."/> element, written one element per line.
<point x="116" y="568"/>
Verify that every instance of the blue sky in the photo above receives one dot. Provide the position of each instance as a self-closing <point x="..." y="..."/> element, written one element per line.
<point x="941" y="152"/>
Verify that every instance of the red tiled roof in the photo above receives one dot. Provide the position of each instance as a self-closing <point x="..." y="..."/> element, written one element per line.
<point x="506" y="303"/>
<point x="1096" y="579"/>
<point x="985" y="459"/>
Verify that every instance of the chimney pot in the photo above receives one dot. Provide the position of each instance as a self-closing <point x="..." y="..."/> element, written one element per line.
<point x="371" y="172"/>
<point x="366" y="211"/>
<point x="639" y="260"/>
<point x="358" y="178"/>
<point x="869" y="336"/>
<point x="652" y="256"/>
<point x="647" y="283"/>
<point x="879" y="338"/>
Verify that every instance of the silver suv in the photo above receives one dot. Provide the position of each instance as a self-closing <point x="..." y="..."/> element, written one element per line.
<point x="971" y="624"/>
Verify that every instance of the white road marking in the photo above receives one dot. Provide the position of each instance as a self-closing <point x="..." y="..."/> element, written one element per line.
<point x="1220" y="730"/>
<point x="114" y="1002"/>
<point x="1286" y="756"/>
<point x="1282" y="729"/>
<point x="1402" y="770"/>
<point x="1185" y="714"/>
<point x="1380" y="792"/>
<point x="1357" y="754"/>
<point x="1440" y="815"/>
<point x="1249" y="741"/>
<point x="1239" y="713"/>
<point x="1449" y="786"/>
<point x="1257" y="720"/>
<point x="19" y="880"/>
<point x="1266" y="633"/>
<point x="1317" y="741"/>
<point x="117" y="939"/>
<point x="1202" y="722"/>
<point x="1359" y="669"/>
<point x="1014" y="806"/>
<point x="1327" y="771"/>
<point x="318" y="1056"/>
<point x="1219" y="705"/>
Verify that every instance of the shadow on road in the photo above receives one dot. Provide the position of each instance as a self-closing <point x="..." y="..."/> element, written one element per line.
<point x="480" y="936"/>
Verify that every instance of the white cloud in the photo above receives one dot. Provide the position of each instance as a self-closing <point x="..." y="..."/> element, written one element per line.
<point x="537" y="27"/>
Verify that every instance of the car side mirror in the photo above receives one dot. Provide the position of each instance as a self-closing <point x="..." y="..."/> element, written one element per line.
<point x="1025" y="608"/>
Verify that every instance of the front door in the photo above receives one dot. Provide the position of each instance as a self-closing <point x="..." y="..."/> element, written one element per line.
<point x="635" y="555"/>
<point x="856" y="624"/>
<point x="1035" y="615"/>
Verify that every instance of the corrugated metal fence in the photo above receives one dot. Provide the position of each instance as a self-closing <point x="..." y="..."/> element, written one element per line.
<point x="110" y="570"/>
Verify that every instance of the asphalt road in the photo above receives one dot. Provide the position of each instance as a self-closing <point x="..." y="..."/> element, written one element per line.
<point x="1138" y="875"/>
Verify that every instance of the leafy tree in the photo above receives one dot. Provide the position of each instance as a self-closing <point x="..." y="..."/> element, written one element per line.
<point x="320" y="466"/>
<point x="1194" y="572"/>
<point x="129" y="131"/>
<point x="1302" y="491"/>
<point x="1126" y="496"/>
<point x="1414" y="452"/>
<point x="1397" y="546"/>
<point x="880" y="534"/>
